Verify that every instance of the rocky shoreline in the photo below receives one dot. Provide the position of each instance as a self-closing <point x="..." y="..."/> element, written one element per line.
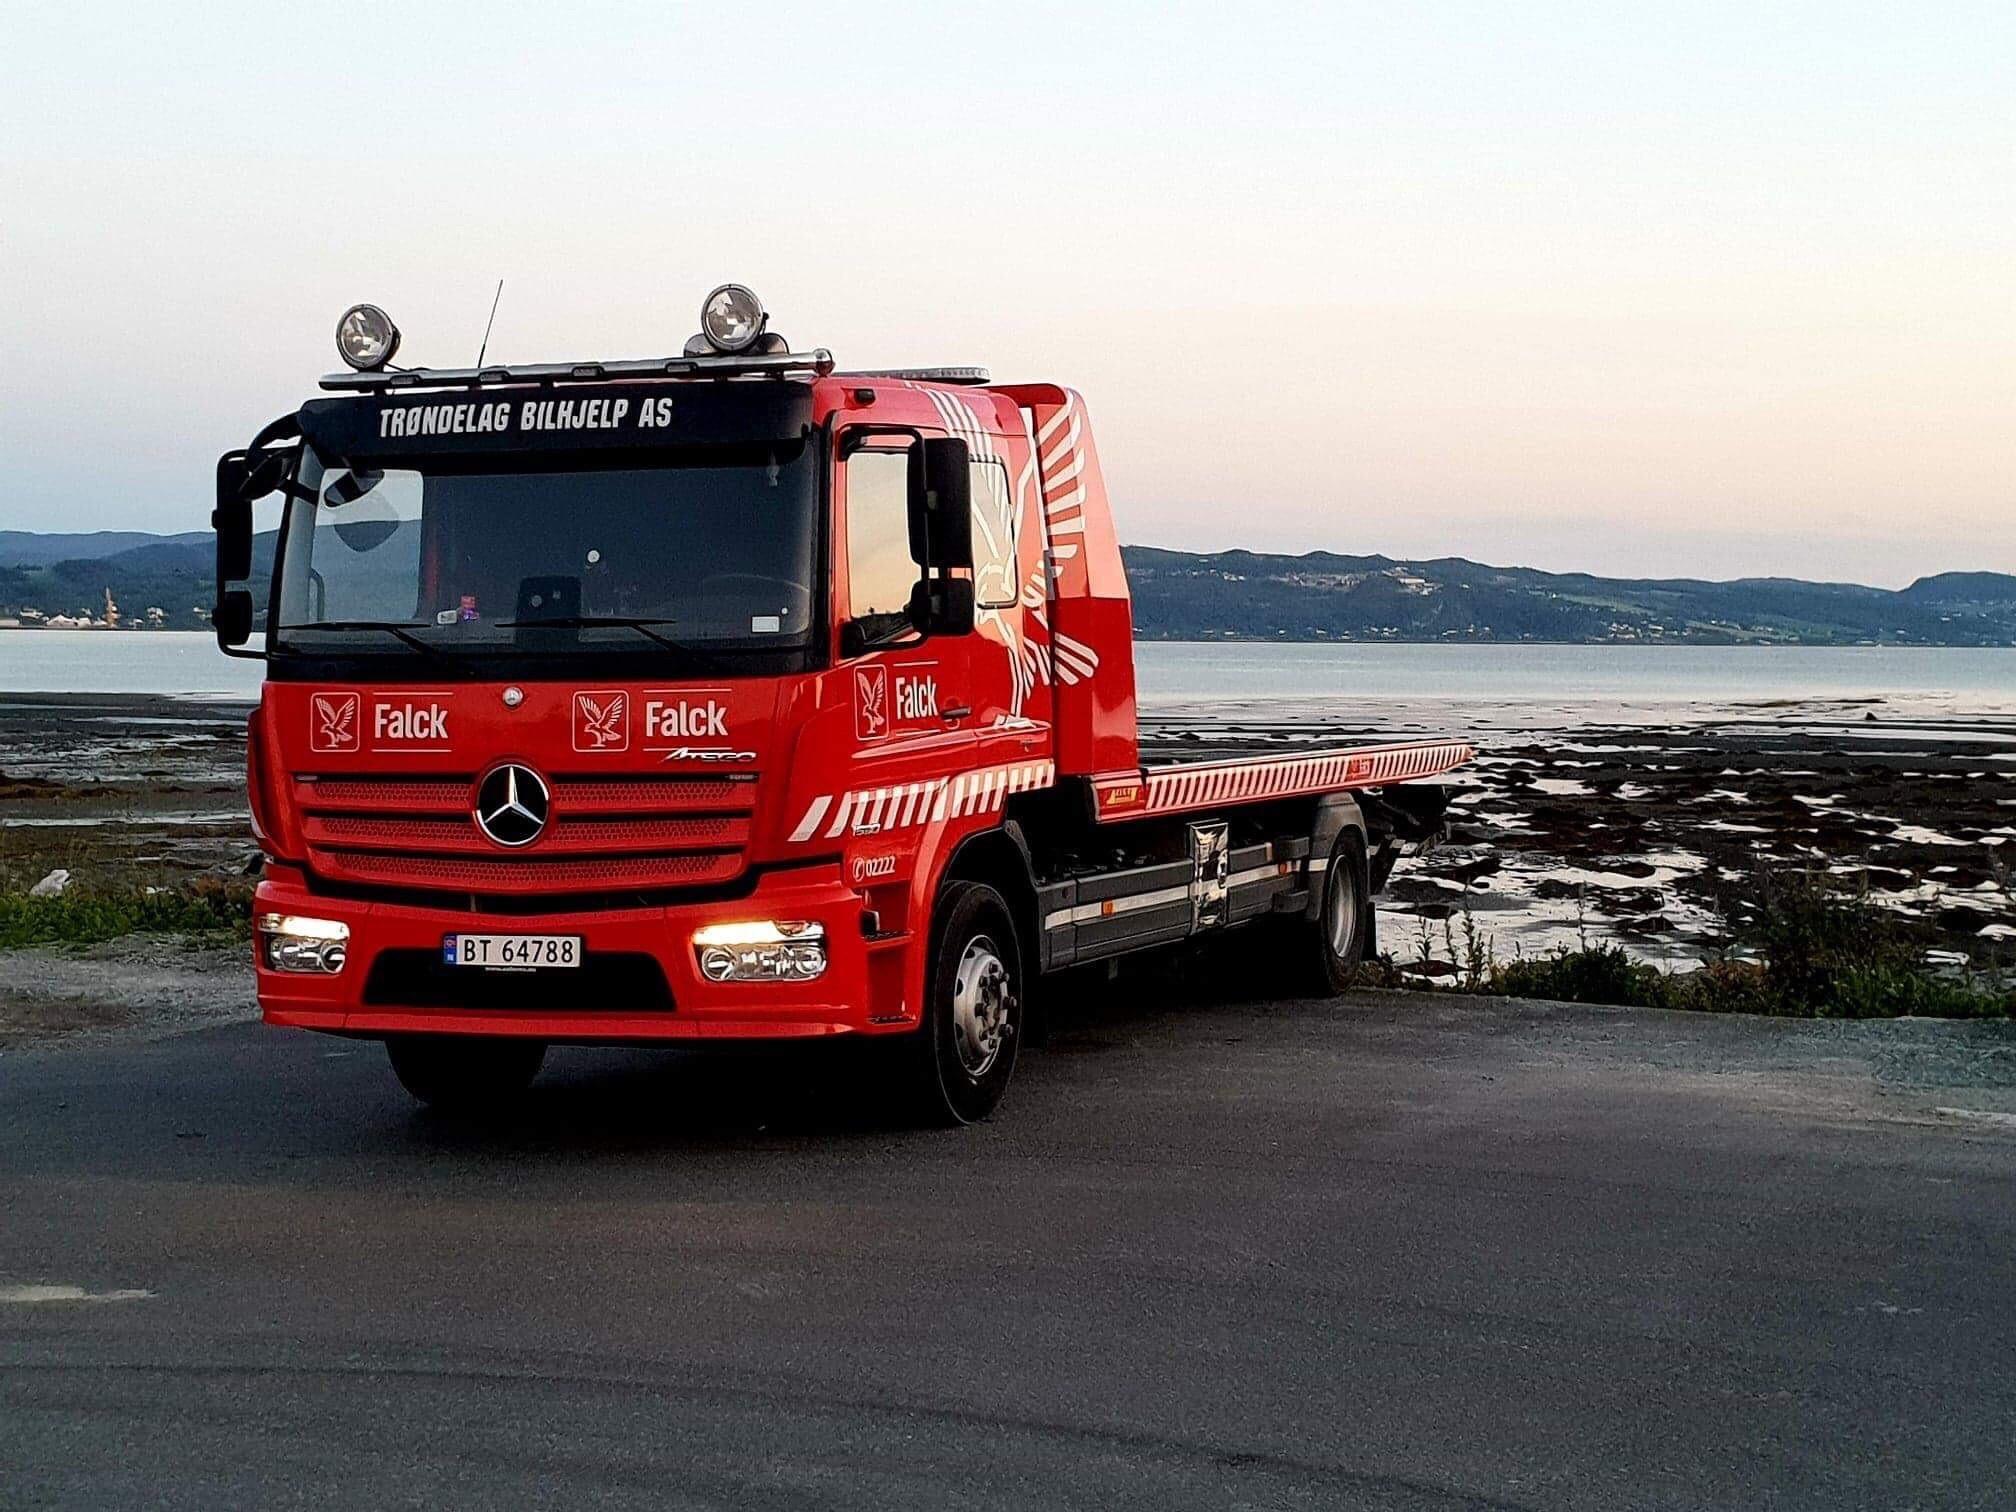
<point x="1640" y="827"/>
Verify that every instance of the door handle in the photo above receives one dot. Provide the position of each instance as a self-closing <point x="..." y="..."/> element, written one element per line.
<point x="956" y="713"/>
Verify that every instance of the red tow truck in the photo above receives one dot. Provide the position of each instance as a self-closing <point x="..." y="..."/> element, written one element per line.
<point x="729" y="696"/>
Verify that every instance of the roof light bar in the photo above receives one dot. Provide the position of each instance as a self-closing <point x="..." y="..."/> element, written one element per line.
<point x="815" y="363"/>
<point x="965" y="375"/>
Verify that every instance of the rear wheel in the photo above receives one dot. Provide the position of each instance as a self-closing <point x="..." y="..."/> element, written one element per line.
<point x="465" y="1074"/>
<point x="957" y="1067"/>
<point x="1316" y="958"/>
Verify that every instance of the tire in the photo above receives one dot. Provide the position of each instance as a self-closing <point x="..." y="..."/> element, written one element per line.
<point x="956" y="1068"/>
<point x="465" y="1074"/>
<point x="1316" y="957"/>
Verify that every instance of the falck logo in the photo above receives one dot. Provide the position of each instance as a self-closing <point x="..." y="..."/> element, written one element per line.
<point x="601" y="721"/>
<point x="333" y="724"/>
<point x="871" y="703"/>
<point x="512" y="804"/>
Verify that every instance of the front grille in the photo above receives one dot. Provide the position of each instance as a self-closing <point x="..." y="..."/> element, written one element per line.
<point x="711" y="832"/>
<point x="604" y="834"/>
<point x="533" y="874"/>
<point x="604" y="982"/>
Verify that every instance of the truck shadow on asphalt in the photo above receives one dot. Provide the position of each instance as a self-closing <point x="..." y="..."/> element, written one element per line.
<point x="595" y="1099"/>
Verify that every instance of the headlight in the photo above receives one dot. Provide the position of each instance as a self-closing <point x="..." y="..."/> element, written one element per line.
<point x="732" y="317"/>
<point x="764" y="950"/>
<point x="294" y="942"/>
<point x="366" y="337"/>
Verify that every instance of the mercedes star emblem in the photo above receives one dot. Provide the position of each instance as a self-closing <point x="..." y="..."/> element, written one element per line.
<point x="512" y="804"/>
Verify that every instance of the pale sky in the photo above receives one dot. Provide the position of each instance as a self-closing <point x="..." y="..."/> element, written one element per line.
<point x="1692" y="289"/>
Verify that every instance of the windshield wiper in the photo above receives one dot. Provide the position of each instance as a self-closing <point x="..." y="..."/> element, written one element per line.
<point x="598" y="621"/>
<point x="401" y="632"/>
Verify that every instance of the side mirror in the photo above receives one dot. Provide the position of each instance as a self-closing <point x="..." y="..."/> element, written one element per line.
<point x="941" y="504"/>
<point x="943" y="606"/>
<point x="232" y="618"/>
<point x="232" y="519"/>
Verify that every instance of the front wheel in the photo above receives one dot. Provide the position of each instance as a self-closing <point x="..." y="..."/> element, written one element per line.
<point x="464" y="1074"/>
<point x="958" y="1065"/>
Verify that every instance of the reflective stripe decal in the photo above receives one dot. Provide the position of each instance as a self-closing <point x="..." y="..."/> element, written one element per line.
<point x="1178" y="788"/>
<point x="1106" y="908"/>
<point x="813" y="815"/>
<point x="906" y="805"/>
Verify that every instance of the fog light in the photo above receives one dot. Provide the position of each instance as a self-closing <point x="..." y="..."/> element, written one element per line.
<point x="294" y="942"/>
<point x="763" y="950"/>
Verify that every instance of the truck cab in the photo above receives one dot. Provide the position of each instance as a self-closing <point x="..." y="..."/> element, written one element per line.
<point x="726" y="696"/>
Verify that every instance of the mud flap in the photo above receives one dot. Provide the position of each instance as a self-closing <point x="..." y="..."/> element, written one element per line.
<point x="1414" y="813"/>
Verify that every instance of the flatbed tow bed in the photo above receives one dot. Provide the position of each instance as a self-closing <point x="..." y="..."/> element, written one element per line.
<point x="730" y="696"/>
<point x="1176" y="784"/>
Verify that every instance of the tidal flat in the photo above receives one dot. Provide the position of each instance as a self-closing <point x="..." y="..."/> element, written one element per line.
<point x="1577" y="823"/>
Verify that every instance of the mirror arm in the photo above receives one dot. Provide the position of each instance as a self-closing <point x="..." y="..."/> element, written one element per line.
<point x="855" y="641"/>
<point x="286" y="428"/>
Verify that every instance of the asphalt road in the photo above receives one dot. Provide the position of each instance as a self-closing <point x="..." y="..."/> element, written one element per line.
<point x="1394" y="1252"/>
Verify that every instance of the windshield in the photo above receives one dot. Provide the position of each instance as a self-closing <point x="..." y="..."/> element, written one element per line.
<point x="708" y="553"/>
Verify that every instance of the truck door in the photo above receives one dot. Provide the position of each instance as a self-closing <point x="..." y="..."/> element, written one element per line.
<point x="913" y="706"/>
<point x="946" y="704"/>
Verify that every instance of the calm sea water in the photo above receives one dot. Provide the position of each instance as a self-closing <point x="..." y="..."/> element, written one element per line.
<point x="1964" y="676"/>
<point x="189" y="665"/>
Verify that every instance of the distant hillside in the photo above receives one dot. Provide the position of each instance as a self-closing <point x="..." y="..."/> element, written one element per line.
<point x="28" y="548"/>
<point x="1980" y="591"/>
<point x="68" y="574"/>
<point x="1180" y="595"/>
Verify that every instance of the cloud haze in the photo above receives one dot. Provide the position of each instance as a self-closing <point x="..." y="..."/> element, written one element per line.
<point x="1722" y="293"/>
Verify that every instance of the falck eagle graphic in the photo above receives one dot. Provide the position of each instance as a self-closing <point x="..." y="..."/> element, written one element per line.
<point x="601" y="726"/>
<point x="871" y="703"/>
<point x="335" y="726"/>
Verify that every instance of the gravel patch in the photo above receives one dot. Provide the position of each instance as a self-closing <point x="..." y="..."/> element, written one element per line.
<point x="145" y="986"/>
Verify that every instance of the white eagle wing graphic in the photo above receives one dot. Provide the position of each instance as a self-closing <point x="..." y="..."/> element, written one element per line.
<point x="996" y="571"/>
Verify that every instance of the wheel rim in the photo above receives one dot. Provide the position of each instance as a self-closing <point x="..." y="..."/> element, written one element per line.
<point x="1341" y="909"/>
<point x="983" y="995"/>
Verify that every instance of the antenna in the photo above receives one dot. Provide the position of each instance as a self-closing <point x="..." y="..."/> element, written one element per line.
<point x="489" y="323"/>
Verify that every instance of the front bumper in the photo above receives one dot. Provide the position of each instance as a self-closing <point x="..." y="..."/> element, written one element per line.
<point x="861" y="991"/>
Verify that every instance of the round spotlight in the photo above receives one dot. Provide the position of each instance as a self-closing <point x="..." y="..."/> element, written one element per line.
<point x="732" y="317"/>
<point x="366" y="337"/>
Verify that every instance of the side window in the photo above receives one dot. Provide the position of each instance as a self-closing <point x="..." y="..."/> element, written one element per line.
<point x="361" y="555"/>
<point x="880" y="573"/>
<point x="994" y="578"/>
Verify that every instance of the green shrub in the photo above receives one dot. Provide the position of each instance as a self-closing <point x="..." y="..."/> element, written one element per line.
<point x="88" y="916"/>
<point x="1593" y="974"/>
<point x="1814" y="950"/>
<point x="1890" y="992"/>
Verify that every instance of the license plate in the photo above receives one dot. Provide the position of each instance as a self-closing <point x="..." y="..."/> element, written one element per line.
<point x="516" y="952"/>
